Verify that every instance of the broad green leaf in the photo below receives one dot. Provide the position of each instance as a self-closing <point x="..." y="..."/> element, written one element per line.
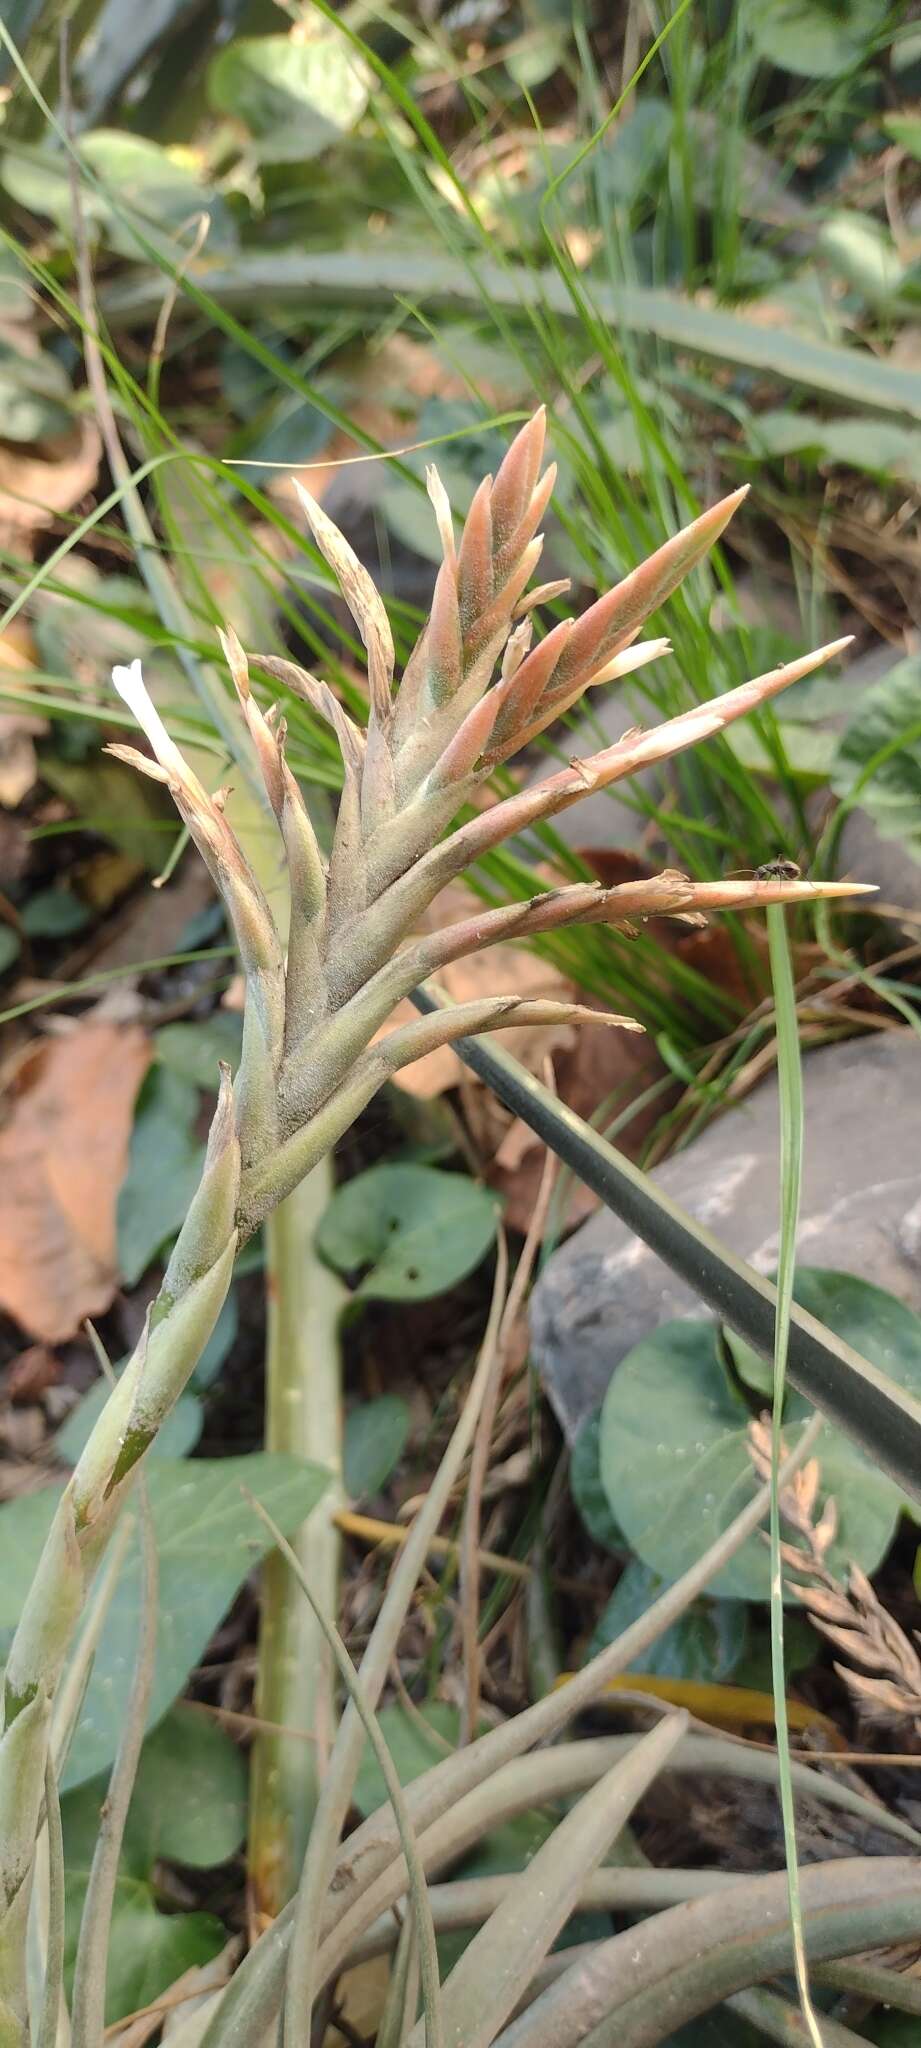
<point x="164" y="1169"/>
<point x="177" y="1435"/>
<point x="419" y="1231"/>
<point x="148" y="1949"/>
<point x="870" y="1319"/>
<point x="889" y="2029"/>
<point x="676" y="1467"/>
<point x="412" y="1748"/>
<point x="809" y="751"/>
<point x="208" y="1540"/>
<point x="874" y="445"/>
<point x="195" y="1050"/>
<point x="189" y="1801"/>
<point x="110" y="798"/>
<point x="54" y="914"/>
<point x="863" y="251"/>
<point x="35" y="396"/>
<point x="296" y="97"/>
<point x="10" y="946"/>
<point x="368" y="279"/>
<point x="634" y="151"/>
<point x="888" y="723"/>
<point x="188" y="1804"/>
<point x="531" y="60"/>
<point x="587" y="1487"/>
<point x="161" y="187"/>
<point x="905" y="129"/>
<point x="800" y="1645"/>
<point x="375" y="1439"/>
<point x="814" y="38"/>
<point x="707" y="1643"/>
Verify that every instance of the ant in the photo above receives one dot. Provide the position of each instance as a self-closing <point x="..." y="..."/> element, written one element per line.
<point x="772" y="871"/>
<point x="778" y="871"/>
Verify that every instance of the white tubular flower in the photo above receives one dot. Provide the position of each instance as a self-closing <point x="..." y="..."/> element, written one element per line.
<point x="624" y="663"/>
<point x="133" y="691"/>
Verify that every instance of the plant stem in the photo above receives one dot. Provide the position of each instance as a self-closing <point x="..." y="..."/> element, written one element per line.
<point x="295" y="1686"/>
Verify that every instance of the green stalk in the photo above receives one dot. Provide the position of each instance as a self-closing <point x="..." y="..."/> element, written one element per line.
<point x="295" y="1684"/>
<point x="790" y="1084"/>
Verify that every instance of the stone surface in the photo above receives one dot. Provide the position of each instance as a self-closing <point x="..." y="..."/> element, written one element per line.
<point x="861" y="1213"/>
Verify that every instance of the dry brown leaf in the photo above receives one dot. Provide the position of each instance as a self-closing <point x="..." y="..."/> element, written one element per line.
<point x="63" y="1153"/>
<point x="30" y="1375"/>
<point x="18" y="729"/>
<point x="35" y="488"/>
<point x="18" y="765"/>
<point x="152" y="924"/>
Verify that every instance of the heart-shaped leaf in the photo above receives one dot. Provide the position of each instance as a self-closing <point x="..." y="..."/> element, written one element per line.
<point x="676" y="1467"/>
<point x="164" y="1169"/>
<point x="188" y="1806"/>
<point x="870" y="1319"/>
<point x="135" y="174"/>
<point x="375" y="1438"/>
<point x="879" y="757"/>
<point x="814" y="38"/>
<point x="707" y="1643"/>
<point x="208" y="1539"/>
<point x="588" y="1490"/>
<point x="418" y="1230"/>
<point x="296" y="96"/>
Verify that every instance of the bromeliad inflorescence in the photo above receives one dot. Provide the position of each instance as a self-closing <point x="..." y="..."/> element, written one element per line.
<point x="477" y="687"/>
<point x="474" y="691"/>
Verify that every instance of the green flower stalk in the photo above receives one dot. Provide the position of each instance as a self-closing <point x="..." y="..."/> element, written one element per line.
<point x="474" y="691"/>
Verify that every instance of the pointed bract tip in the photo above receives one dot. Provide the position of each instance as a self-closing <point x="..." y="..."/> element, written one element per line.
<point x="234" y="655"/>
<point x="309" y="504"/>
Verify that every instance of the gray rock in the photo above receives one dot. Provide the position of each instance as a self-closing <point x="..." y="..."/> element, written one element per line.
<point x="861" y="1213"/>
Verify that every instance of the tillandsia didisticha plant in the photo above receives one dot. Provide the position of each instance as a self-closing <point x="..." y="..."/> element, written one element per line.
<point x="478" y="686"/>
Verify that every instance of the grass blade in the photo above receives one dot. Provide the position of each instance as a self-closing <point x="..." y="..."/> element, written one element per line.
<point x="790" y="1083"/>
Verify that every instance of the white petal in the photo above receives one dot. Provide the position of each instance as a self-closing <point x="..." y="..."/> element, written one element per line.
<point x="631" y="658"/>
<point x="132" y="689"/>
